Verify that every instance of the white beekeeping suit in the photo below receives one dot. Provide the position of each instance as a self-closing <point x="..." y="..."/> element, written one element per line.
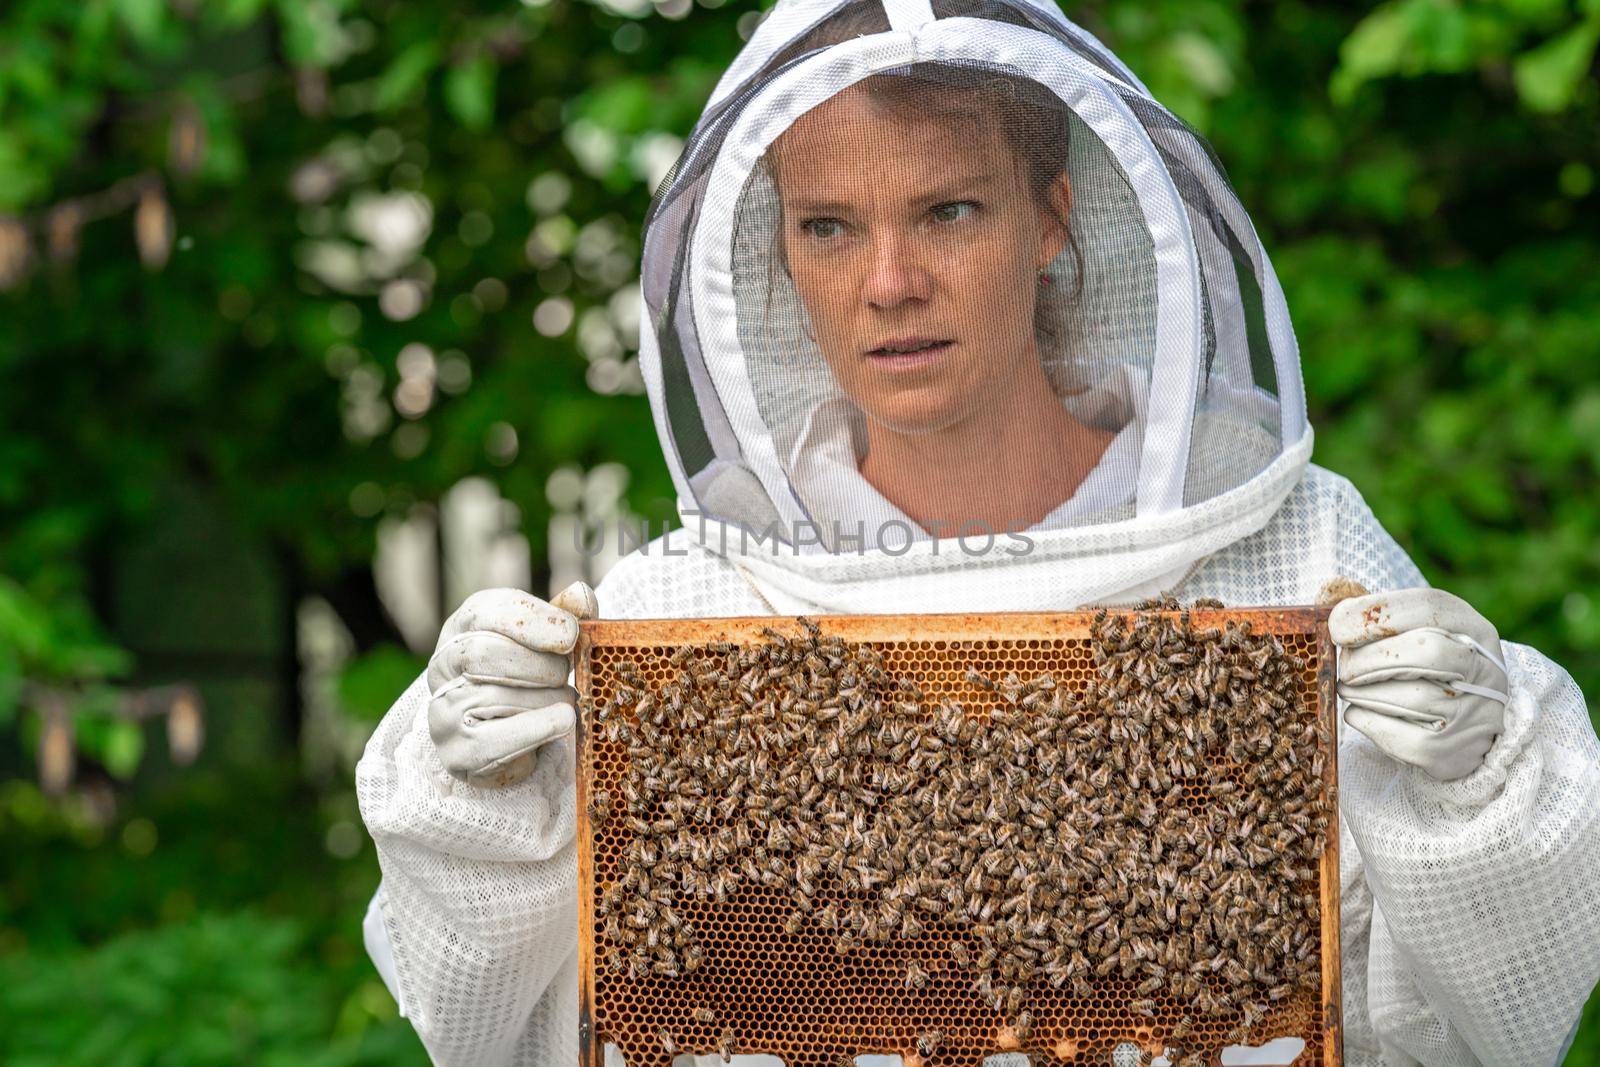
<point x="873" y="192"/>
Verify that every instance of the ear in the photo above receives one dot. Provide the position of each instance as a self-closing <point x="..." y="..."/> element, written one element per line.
<point x="1054" y="221"/>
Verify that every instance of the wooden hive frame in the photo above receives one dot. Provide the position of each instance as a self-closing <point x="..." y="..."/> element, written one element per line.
<point x="787" y="999"/>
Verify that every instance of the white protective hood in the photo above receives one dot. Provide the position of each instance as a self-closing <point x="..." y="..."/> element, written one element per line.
<point x="1174" y="340"/>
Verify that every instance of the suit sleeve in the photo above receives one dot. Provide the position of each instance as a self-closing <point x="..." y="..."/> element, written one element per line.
<point x="478" y="900"/>
<point x="1484" y="936"/>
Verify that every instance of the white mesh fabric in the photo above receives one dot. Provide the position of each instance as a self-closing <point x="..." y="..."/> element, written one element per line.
<point x="477" y="895"/>
<point x="788" y="20"/>
<point x="1504" y="856"/>
<point x="1470" y="910"/>
<point x="1118" y="562"/>
<point x="1120" y="332"/>
<point x="1175" y="303"/>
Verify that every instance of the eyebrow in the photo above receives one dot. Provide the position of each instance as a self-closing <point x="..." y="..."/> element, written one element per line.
<point x="945" y="190"/>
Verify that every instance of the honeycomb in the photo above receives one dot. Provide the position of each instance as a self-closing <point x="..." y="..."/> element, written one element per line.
<point x="792" y="995"/>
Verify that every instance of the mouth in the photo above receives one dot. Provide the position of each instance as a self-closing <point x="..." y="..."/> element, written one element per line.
<point x="910" y="351"/>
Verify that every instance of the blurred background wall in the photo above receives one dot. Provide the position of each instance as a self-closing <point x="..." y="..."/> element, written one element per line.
<point x="317" y="315"/>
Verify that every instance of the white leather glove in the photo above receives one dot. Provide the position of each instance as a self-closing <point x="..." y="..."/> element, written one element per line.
<point x="1424" y="675"/>
<point x="498" y="681"/>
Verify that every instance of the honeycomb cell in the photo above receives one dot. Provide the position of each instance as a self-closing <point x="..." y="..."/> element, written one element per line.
<point x="798" y="996"/>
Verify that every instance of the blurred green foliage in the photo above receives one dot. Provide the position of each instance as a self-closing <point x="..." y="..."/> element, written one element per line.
<point x="223" y="222"/>
<point x="213" y="926"/>
<point x="370" y="684"/>
<point x="214" y="990"/>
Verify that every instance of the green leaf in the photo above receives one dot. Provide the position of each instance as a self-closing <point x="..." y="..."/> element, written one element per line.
<point x="1548" y="76"/>
<point x="1205" y="64"/>
<point x="469" y="92"/>
<point x="224" y="160"/>
<point x="24" y="626"/>
<point x="143" y="19"/>
<point x="312" y="34"/>
<point x="406" y="75"/>
<point x="369" y="684"/>
<point x="1411" y="37"/>
<point x="1535" y="10"/>
<point x="10" y="686"/>
<point x="122" y="748"/>
<point x="89" y="660"/>
<point x="1441" y="36"/>
<point x="32" y="72"/>
<point x="1373" y="50"/>
<point x="22" y="178"/>
<point x="235" y="12"/>
<point x="623" y="106"/>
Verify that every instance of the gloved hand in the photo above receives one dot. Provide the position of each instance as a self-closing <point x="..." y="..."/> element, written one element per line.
<point x="497" y="681"/>
<point x="1424" y="675"/>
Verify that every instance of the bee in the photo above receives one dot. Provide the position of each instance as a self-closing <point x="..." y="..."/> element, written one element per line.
<point x="783" y="736"/>
<point x="982" y="681"/>
<point x="664" y="1036"/>
<point x="704" y="1014"/>
<point x="693" y="957"/>
<point x="928" y="1042"/>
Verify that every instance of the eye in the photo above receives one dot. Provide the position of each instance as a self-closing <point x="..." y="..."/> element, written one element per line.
<point x="823" y="228"/>
<point x="954" y="211"/>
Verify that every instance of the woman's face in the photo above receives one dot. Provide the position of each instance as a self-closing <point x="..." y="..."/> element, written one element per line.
<point x="914" y="242"/>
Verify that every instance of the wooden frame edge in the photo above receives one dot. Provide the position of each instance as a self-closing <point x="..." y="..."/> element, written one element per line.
<point x="590" y="1053"/>
<point x="1332" y="975"/>
<point x="957" y="626"/>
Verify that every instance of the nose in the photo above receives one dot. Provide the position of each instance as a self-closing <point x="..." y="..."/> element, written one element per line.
<point x="894" y="275"/>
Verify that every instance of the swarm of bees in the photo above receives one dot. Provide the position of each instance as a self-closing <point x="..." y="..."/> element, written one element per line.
<point x="1157" y="830"/>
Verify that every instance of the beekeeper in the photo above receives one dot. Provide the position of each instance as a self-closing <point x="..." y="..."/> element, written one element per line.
<point x="946" y="313"/>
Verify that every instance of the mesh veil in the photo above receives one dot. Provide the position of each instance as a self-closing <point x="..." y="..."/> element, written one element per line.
<point x="1159" y="328"/>
<point x="1099" y="300"/>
